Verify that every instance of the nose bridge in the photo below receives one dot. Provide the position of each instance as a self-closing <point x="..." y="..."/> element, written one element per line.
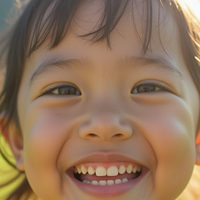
<point x="105" y="121"/>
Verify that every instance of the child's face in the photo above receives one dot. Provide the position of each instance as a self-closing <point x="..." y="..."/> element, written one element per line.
<point x="87" y="105"/>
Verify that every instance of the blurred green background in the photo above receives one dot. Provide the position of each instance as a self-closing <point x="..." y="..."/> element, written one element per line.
<point x="5" y="7"/>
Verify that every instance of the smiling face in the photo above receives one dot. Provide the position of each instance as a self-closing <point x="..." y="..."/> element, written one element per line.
<point x="110" y="123"/>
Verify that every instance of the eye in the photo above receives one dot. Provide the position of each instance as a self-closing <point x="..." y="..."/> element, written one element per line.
<point x="149" y="87"/>
<point x="64" y="90"/>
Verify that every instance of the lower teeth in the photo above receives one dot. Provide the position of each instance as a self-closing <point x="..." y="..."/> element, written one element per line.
<point x="106" y="182"/>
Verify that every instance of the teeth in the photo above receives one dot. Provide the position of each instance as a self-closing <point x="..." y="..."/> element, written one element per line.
<point x="75" y="170"/>
<point x="118" y="181"/>
<point x="83" y="169"/>
<point x="124" y="180"/>
<point x="111" y="171"/>
<point x="139" y="169"/>
<point x="122" y="169"/>
<point x="129" y="169"/>
<point x="108" y="182"/>
<point x="102" y="182"/>
<point x="86" y="181"/>
<point x="134" y="169"/>
<point x="100" y="171"/>
<point x="91" y="171"/>
<point x="78" y="169"/>
<point x="95" y="183"/>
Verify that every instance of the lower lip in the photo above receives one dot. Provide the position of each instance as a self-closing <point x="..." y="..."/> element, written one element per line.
<point x="107" y="191"/>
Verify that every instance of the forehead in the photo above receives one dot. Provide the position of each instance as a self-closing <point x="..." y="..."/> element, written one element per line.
<point x="147" y="25"/>
<point x="136" y="25"/>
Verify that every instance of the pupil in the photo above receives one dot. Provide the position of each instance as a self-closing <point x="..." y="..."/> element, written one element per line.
<point x="145" y="88"/>
<point x="67" y="90"/>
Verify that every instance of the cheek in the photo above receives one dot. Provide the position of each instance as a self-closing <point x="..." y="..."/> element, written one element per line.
<point x="170" y="131"/>
<point x="171" y="136"/>
<point x="45" y="131"/>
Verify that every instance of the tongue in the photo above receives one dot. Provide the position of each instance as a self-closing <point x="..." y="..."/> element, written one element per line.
<point x="98" y="178"/>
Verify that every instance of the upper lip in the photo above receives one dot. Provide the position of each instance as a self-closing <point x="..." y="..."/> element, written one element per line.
<point x="106" y="158"/>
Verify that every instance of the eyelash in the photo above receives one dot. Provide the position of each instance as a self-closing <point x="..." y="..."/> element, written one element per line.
<point x="72" y="90"/>
<point x="157" y="87"/>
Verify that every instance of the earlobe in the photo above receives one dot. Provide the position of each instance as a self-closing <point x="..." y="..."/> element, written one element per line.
<point x="198" y="154"/>
<point x="14" y="140"/>
<point x="198" y="149"/>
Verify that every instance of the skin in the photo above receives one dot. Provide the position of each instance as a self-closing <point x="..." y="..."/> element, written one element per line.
<point x="154" y="129"/>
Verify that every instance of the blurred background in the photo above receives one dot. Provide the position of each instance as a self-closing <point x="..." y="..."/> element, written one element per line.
<point x="5" y="6"/>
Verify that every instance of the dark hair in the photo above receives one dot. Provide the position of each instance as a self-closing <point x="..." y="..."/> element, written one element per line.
<point x="35" y="26"/>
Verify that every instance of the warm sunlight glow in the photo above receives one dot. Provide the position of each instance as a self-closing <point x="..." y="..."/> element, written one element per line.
<point x="192" y="7"/>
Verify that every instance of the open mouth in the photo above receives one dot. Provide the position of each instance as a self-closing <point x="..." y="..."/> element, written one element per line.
<point x="108" y="174"/>
<point x="105" y="176"/>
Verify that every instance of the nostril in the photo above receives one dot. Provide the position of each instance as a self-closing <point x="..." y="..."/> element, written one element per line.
<point x="92" y="135"/>
<point x="114" y="136"/>
<point x="118" y="135"/>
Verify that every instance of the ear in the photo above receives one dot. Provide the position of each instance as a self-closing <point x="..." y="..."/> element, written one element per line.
<point x="198" y="149"/>
<point x="14" y="139"/>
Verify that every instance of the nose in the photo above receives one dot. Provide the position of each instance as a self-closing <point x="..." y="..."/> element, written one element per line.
<point x="105" y="127"/>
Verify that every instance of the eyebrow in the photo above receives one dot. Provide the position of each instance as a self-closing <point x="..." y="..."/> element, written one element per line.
<point x="76" y="63"/>
<point x="160" y="62"/>
<point x="54" y="64"/>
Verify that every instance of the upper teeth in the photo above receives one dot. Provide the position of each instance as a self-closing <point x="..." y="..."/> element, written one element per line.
<point x="110" y="171"/>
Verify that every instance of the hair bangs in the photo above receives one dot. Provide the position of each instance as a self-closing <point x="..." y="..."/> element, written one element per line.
<point x="51" y="23"/>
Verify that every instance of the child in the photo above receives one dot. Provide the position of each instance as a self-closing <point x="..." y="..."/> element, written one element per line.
<point x="101" y="99"/>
